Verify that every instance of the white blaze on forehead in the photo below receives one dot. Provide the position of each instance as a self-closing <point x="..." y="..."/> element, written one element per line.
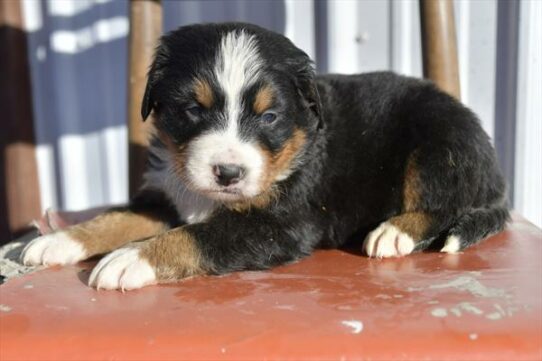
<point x="238" y="66"/>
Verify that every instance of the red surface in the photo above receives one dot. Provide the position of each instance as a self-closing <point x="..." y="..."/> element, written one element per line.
<point x="296" y="311"/>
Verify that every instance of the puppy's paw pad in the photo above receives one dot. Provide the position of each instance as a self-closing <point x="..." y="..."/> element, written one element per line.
<point x="452" y="245"/>
<point x="122" y="269"/>
<point x="52" y="249"/>
<point x="388" y="241"/>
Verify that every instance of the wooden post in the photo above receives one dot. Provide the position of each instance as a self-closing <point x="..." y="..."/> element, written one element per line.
<point x="439" y="45"/>
<point x="145" y="30"/>
<point x="19" y="186"/>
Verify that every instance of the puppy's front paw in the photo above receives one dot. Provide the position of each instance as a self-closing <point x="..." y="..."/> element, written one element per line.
<point x="122" y="269"/>
<point x="388" y="241"/>
<point x="52" y="249"/>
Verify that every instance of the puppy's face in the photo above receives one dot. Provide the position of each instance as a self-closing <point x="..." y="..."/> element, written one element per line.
<point x="236" y="106"/>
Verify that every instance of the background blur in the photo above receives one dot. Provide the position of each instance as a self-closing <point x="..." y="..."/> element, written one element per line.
<point x="77" y="53"/>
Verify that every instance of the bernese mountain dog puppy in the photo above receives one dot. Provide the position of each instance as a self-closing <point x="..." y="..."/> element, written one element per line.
<point x="256" y="162"/>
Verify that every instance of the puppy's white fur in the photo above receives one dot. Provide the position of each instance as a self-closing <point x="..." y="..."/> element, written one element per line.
<point x="451" y="245"/>
<point x="122" y="269"/>
<point x="51" y="249"/>
<point x="388" y="241"/>
<point x="238" y="65"/>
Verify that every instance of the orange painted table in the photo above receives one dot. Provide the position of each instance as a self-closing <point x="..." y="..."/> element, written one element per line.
<point x="483" y="304"/>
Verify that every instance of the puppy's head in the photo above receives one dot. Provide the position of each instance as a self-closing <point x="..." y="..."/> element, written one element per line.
<point x="235" y="104"/>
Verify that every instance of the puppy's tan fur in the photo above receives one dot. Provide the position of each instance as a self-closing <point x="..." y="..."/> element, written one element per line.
<point x="114" y="229"/>
<point x="173" y="255"/>
<point x="263" y="100"/>
<point x="413" y="222"/>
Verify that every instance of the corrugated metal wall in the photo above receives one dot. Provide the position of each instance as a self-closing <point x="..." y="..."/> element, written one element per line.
<point x="79" y="55"/>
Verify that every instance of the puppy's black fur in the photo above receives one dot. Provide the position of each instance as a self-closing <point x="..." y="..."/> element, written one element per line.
<point x="362" y="133"/>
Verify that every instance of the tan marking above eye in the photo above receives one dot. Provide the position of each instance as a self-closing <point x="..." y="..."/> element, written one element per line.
<point x="263" y="99"/>
<point x="204" y="93"/>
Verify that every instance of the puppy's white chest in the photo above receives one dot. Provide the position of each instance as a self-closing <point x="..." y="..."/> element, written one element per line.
<point x="191" y="207"/>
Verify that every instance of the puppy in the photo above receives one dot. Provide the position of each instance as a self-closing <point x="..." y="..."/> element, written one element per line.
<point x="256" y="162"/>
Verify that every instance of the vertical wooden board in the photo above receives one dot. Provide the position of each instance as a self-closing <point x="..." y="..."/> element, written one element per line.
<point x="146" y="27"/>
<point x="439" y="46"/>
<point x="19" y="188"/>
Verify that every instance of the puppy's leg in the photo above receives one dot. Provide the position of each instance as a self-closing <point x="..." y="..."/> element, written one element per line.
<point x="145" y="217"/>
<point x="227" y="242"/>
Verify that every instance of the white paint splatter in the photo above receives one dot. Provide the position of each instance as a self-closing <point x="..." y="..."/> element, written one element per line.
<point x="28" y="286"/>
<point x="494" y="316"/>
<point x="5" y="308"/>
<point x="455" y="311"/>
<point x="473" y="336"/>
<point x="285" y="307"/>
<point x="439" y="312"/>
<point x="355" y="325"/>
<point x="384" y="297"/>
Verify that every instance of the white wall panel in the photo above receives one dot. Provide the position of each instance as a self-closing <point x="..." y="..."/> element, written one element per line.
<point x="406" y="51"/>
<point x="476" y="22"/>
<point x="114" y="159"/>
<point x="300" y="25"/>
<point x="528" y="175"/>
<point x="343" y="53"/>
<point x="373" y="35"/>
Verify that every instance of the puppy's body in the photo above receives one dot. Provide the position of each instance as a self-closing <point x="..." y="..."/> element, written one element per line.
<point x="256" y="163"/>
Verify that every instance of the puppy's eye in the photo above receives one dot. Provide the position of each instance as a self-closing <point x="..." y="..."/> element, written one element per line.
<point x="269" y="117"/>
<point x="193" y="111"/>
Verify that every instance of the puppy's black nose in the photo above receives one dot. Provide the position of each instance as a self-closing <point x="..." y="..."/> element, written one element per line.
<point x="227" y="174"/>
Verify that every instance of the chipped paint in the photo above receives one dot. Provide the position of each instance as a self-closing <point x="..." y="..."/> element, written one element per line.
<point x="28" y="286"/>
<point x="5" y="308"/>
<point x="473" y="336"/>
<point x="466" y="307"/>
<point x="355" y="325"/>
<point x="474" y="287"/>
<point x="468" y="284"/>
<point x="494" y="314"/>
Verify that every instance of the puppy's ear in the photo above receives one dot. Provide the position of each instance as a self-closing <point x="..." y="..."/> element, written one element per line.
<point x="147" y="104"/>
<point x="306" y="87"/>
<point x="153" y="77"/>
